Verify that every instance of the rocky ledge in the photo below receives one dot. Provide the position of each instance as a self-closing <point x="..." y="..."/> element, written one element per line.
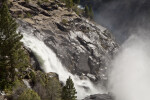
<point x="99" y="97"/>
<point x="84" y="47"/>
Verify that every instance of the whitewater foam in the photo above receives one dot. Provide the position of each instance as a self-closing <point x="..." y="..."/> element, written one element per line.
<point x="50" y="63"/>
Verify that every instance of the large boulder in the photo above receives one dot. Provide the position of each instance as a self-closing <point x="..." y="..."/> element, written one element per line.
<point x="99" y="97"/>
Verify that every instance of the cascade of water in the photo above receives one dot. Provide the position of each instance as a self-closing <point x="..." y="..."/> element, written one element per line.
<point x="50" y="63"/>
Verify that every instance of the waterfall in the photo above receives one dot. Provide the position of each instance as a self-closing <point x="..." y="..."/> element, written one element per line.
<point x="50" y="63"/>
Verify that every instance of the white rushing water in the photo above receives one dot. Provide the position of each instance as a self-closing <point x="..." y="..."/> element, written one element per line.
<point x="130" y="75"/>
<point x="50" y="63"/>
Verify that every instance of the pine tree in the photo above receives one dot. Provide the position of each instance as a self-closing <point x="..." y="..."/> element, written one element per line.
<point x="12" y="54"/>
<point x="69" y="91"/>
<point x="87" y="12"/>
<point x="91" y="12"/>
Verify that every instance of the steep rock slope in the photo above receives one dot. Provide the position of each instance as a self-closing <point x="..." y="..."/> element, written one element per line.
<point x="84" y="47"/>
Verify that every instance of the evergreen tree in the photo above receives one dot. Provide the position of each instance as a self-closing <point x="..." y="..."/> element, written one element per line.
<point x="91" y="12"/>
<point x="87" y="11"/>
<point x="12" y="54"/>
<point x="53" y="89"/>
<point x="69" y="91"/>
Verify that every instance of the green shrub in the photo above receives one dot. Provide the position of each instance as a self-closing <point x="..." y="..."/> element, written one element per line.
<point x="64" y="21"/>
<point x="20" y="15"/>
<point x="46" y="87"/>
<point x="29" y="94"/>
<point x="77" y="10"/>
<point x="88" y="12"/>
<point x="18" y="89"/>
<point x="29" y="15"/>
<point x="32" y="75"/>
<point x="54" y="89"/>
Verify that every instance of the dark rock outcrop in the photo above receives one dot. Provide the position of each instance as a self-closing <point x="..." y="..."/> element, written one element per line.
<point x="33" y="60"/>
<point x="99" y="97"/>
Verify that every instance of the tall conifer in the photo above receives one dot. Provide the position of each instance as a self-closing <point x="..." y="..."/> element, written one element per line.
<point x="91" y="12"/>
<point x="12" y="54"/>
<point x="69" y="91"/>
<point x="87" y="12"/>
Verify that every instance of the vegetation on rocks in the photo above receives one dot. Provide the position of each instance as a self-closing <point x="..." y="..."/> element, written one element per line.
<point x="29" y="94"/>
<point x="73" y="5"/>
<point x="46" y="87"/>
<point x="64" y="21"/>
<point x="88" y="12"/>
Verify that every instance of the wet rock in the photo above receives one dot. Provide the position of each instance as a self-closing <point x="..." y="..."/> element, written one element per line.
<point x="99" y="97"/>
<point x="61" y="27"/>
<point x="52" y="74"/>
<point x="33" y="60"/>
<point x="82" y="63"/>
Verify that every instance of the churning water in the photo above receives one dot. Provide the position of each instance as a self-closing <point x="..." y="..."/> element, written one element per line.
<point x="50" y="63"/>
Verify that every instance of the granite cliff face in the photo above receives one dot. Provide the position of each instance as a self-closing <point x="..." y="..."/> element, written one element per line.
<point x="84" y="47"/>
